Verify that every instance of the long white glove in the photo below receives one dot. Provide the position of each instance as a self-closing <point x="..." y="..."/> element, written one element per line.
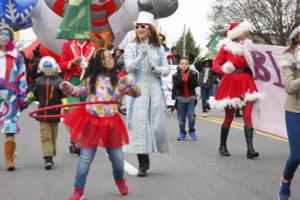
<point x="156" y="70"/>
<point x="144" y="49"/>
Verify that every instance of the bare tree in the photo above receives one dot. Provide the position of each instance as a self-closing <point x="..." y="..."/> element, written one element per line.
<point x="271" y="19"/>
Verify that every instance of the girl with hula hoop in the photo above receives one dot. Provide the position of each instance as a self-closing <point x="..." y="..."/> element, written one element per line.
<point x="96" y="125"/>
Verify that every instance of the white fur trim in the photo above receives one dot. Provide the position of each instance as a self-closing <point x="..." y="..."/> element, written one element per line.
<point x="221" y="104"/>
<point x="294" y="33"/>
<point x="239" y="50"/>
<point x="287" y="59"/>
<point x="234" y="102"/>
<point x="239" y="30"/>
<point x="228" y="67"/>
<point x="254" y="96"/>
<point x="234" y="47"/>
<point x="290" y="60"/>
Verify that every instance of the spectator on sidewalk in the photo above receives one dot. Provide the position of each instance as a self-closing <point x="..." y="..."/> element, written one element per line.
<point x="206" y="83"/>
<point x="185" y="81"/>
<point x="174" y="57"/>
<point x="162" y="41"/>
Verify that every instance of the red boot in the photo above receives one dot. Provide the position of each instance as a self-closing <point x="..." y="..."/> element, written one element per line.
<point x="77" y="194"/>
<point x="122" y="186"/>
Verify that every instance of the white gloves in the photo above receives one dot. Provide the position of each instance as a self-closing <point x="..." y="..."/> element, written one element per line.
<point x="83" y="64"/>
<point x="156" y="70"/>
<point x="228" y="67"/>
<point x="144" y="49"/>
<point x="142" y="52"/>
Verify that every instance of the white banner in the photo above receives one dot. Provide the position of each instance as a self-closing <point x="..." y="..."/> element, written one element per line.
<point x="268" y="114"/>
<point x="167" y="86"/>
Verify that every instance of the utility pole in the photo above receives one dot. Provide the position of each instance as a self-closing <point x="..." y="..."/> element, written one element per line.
<point x="184" y="42"/>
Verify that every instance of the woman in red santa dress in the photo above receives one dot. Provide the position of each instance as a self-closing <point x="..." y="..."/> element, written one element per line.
<point x="237" y="88"/>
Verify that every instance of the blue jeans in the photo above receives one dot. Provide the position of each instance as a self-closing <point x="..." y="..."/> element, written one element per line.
<point x="186" y="110"/>
<point x="214" y="89"/>
<point x="205" y="94"/>
<point x="86" y="158"/>
<point x="293" y="130"/>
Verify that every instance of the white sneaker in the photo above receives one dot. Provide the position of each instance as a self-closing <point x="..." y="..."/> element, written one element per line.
<point x="204" y="114"/>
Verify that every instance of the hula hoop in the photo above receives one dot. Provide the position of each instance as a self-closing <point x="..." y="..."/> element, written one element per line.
<point x="33" y="114"/>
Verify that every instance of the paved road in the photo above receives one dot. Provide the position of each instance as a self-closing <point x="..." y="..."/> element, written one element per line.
<point x="193" y="170"/>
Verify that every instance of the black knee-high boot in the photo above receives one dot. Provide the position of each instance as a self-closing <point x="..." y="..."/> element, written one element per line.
<point x="144" y="164"/>
<point x="223" y="144"/>
<point x="251" y="153"/>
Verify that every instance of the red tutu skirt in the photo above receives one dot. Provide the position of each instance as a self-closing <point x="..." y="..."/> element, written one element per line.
<point x="235" y="86"/>
<point x="90" y="131"/>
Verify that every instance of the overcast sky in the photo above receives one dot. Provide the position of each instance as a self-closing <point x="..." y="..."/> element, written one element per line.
<point x="193" y="13"/>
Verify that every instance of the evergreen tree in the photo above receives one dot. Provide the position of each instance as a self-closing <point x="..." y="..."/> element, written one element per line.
<point x="192" y="50"/>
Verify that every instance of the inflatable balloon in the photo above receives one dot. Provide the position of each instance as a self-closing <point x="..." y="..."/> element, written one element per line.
<point x="45" y="25"/>
<point x="16" y="13"/>
<point x="115" y="16"/>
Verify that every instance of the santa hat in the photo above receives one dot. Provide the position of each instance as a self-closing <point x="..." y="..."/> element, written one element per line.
<point x="237" y="29"/>
<point x="145" y="18"/>
<point x="49" y="60"/>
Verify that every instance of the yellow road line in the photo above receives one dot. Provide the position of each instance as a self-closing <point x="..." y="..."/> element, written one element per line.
<point x="240" y="126"/>
<point x="219" y="119"/>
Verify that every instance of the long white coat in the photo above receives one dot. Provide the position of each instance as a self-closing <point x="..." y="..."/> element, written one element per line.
<point x="146" y="115"/>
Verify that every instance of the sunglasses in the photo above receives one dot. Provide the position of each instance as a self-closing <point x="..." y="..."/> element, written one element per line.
<point x="48" y="65"/>
<point x="4" y="33"/>
<point x="141" y="26"/>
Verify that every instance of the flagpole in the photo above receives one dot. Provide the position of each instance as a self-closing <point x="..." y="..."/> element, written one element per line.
<point x="184" y="41"/>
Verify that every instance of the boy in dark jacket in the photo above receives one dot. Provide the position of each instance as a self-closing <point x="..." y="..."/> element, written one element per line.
<point x="185" y="81"/>
<point x="46" y="91"/>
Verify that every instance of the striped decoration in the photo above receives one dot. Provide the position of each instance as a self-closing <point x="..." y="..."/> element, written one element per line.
<point x="100" y="13"/>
